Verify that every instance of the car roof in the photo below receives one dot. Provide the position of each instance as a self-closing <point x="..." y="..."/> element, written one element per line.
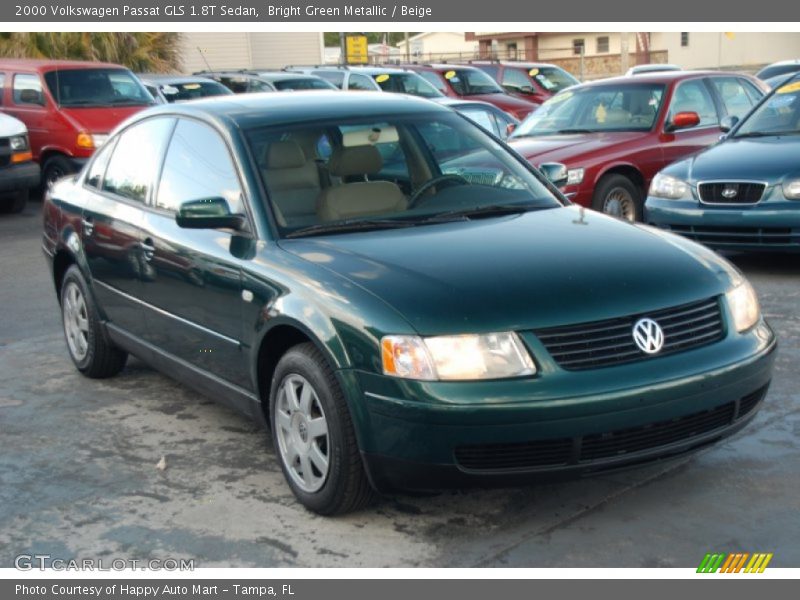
<point x="448" y="101"/>
<point x="166" y="78"/>
<point x="665" y="77"/>
<point x="44" y="65"/>
<point x="513" y="63"/>
<point x="265" y="109"/>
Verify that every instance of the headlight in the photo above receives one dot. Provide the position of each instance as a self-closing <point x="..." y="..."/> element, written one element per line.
<point x="574" y="176"/>
<point x="791" y="189"/>
<point x="98" y="139"/>
<point x="457" y="357"/>
<point x="666" y="186"/>
<point x="19" y="143"/>
<point x="743" y="303"/>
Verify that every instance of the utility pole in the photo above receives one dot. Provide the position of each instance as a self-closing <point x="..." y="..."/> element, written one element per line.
<point x="342" y="49"/>
<point x="408" y="48"/>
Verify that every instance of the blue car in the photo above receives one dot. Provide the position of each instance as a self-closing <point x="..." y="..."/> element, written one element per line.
<point x="744" y="192"/>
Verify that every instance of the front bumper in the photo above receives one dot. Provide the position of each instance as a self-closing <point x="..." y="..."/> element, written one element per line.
<point x="431" y="435"/>
<point x="767" y="226"/>
<point x="19" y="177"/>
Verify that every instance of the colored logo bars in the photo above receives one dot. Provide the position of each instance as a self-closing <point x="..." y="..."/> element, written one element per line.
<point x="735" y="563"/>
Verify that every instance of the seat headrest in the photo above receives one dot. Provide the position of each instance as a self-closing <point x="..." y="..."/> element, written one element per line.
<point x="355" y="160"/>
<point x="286" y="154"/>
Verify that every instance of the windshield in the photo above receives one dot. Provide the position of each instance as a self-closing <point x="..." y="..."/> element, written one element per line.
<point x="596" y="108"/>
<point x="96" y="87"/>
<point x="778" y="115"/>
<point x="553" y="79"/>
<point x="181" y="92"/>
<point x="397" y="171"/>
<point x="302" y="83"/>
<point x="406" y="83"/>
<point x="471" y="82"/>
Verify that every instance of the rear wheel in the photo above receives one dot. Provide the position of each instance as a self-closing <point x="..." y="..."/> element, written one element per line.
<point x="618" y="196"/>
<point x="92" y="352"/>
<point x="313" y="435"/>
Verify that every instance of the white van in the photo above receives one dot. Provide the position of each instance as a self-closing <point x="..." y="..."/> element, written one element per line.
<point x="18" y="172"/>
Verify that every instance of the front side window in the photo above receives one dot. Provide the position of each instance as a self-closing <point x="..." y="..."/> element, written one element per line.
<point x="734" y="96"/>
<point x="96" y="87"/>
<point x="133" y="167"/>
<point x="483" y="118"/>
<point x="28" y="90"/>
<point x="471" y="82"/>
<point x="94" y="176"/>
<point x="360" y="82"/>
<point x="596" y="108"/>
<point x="400" y="170"/>
<point x="198" y="167"/>
<point x="335" y="77"/>
<point x="238" y="85"/>
<point x="553" y="79"/>
<point x="693" y="96"/>
<point x="2" y="86"/>
<point x="181" y="92"/>
<point x="516" y="80"/>
<point x="434" y="80"/>
<point x="302" y="83"/>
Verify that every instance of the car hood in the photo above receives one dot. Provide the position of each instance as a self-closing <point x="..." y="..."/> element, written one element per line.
<point x="10" y="126"/>
<point x="760" y="159"/>
<point x="99" y="119"/>
<point x="560" y="148"/>
<point x="539" y="269"/>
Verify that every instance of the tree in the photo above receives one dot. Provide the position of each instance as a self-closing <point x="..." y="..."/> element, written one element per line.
<point x="152" y="52"/>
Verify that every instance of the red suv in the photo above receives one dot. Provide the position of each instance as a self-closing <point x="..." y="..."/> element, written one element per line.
<point x="69" y="107"/>
<point x="470" y="83"/>
<point x="534" y="82"/>
<point x="615" y="134"/>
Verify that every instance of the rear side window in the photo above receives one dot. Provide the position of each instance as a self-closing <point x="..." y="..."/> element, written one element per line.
<point x="198" y="167"/>
<point x="434" y="79"/>
<point x="693" y="96"/>
<point x="482" y="118"/>
<point x="335" y="77"/>
<point x="95" y="175"/>
<point x="133" y="167"/>
<point x="360" y="82"/>
<point x="516" y="80"/>
<point x="28" y="89"/>
<point x="2" y="86"/>
<point x="238" y="85"/>
<point x="734" y="97"/>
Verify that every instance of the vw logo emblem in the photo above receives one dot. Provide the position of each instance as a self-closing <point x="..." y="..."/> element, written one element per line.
<point x="730" y="191"/>
<point x="648" y="335"/>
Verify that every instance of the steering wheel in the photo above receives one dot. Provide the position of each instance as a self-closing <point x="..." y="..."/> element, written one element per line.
<point x="417" y="194"/>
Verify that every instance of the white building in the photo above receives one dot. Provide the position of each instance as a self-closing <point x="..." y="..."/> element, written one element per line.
<point x="249" y="50"/>
<point x="439" y="45"/>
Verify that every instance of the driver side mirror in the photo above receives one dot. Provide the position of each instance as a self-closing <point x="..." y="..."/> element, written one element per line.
<point x="683" y="120"/>
<point x="209" y="213"/>
<point x="728" y="123"/>
<point x="555" y="173"/>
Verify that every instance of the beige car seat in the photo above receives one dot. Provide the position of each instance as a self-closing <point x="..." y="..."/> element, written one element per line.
<point x="358" y="199"/>
<point x="293" y="182"/>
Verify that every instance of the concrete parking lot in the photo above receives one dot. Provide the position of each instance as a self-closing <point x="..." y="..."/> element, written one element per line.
<point x="78" y="475"/>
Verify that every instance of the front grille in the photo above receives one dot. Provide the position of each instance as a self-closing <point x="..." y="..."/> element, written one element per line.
<point x="751" y="236"/>
<point x="5" y="152"/>
<point x="606" y="343"/>
<point x="745" y="192"/>
<point x="600" y="446"/>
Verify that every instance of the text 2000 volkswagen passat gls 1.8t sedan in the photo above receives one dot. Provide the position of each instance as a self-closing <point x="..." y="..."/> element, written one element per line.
<point x="405" y="303"/>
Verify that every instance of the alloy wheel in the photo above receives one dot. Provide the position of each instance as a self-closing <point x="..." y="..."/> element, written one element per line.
<point x="76" y="321"/>
<point x="302" y="433"/>
<point x="619" y="203"/>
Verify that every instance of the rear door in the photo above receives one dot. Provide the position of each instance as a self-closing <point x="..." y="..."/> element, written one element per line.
<point x="28" y="103"/>
<point x="693" y="95"/>
<point x="193" y="296"/>
<point x="121" y="179"/>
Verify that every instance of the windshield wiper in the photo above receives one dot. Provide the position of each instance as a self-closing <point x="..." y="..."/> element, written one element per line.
<point x="345" y="226"/>
<point x="465" y="214"/>
<point x="575" y="130"/>
<point x="128" y="101"/>
<point x="750" y="134"/>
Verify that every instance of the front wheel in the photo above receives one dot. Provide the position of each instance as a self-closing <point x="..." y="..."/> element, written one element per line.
<point x="54" y="169"/>
<point x="618" y="196"/>
<point x="92" y="352"/>
<point x="313" y="435"/>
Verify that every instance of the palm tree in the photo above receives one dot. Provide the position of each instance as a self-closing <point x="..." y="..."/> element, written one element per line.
<point x="152" y="52"/>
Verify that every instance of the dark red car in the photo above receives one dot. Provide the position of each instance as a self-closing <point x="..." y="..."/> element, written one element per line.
<point x="69" y="107"/>
<point x="471" y="83"/>
<point x="534" y="82"/>
<point x="615" y="134"/>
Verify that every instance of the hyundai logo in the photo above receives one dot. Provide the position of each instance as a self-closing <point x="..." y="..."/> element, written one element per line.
<point x="648" y="335"/>
<point x="730" y="191"/>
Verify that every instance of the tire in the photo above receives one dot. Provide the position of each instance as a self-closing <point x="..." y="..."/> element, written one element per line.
<point x="55" y="168"/>
<point x="89" y="348"/>
<point x="618" y="196"/>
<point x="298" y="436"/>
<point x="16" y="203"/>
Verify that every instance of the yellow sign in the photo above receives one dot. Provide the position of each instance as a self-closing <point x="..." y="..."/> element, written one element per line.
<point x="449" y="75"/>
<point x="382" y="78"/>
<point x="533" y="72"/>
<point x="356" y="49"/>
<point x="788" y="89"/>
<point x="600" y="114"/>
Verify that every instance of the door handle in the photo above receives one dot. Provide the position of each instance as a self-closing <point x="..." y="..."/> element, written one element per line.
<point x="148" y="249"/>
<point x="88" y="226"/>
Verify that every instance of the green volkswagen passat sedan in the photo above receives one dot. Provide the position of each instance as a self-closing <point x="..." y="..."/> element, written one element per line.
<point x="402" y="300"/>
<point x="744" y="192"/>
